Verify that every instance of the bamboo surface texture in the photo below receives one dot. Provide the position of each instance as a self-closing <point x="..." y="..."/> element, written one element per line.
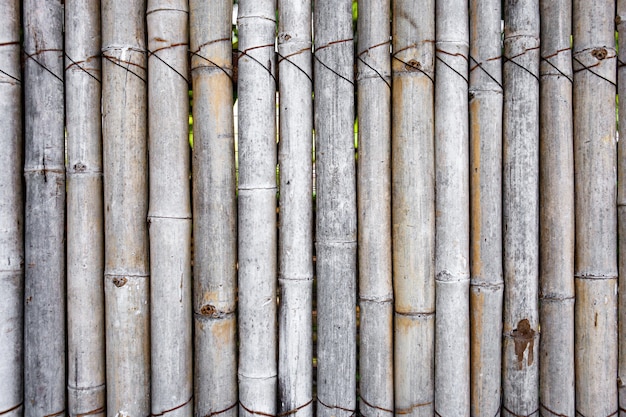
<point x="620" y="21"/>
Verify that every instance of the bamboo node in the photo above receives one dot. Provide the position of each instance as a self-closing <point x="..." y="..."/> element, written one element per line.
<point x="599" y="53"/>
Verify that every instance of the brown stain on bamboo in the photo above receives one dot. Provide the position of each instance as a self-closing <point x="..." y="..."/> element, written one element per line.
<point x="523" y="337"/>
<point x="223" y="331"/>
<point x="476" y="211"/>
<point x="477" y="302"/>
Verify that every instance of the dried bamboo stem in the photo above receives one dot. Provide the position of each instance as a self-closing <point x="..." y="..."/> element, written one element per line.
<point x="452" y="339"/>
<point x="11" y="214"/>
<point x="44" y="172"/>
<point x="556" y="262"/>
<point x="596" y="218"/>
<point x="487" y="285"/>
<point x="170" y="208"/>
<point x="85" y="227"/>
<point x="257" y="247"/>
<point x="295" y="265"/>
<point x="520" y="369"/>
<point x="126" y="276"/>
<point x="413" y="209"/>
<point x="374" y="209"/>
<point x="620" y="20"/>
<point x="214" y="210"/>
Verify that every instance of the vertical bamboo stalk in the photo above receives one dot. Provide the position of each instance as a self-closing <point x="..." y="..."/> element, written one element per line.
<point x="85" y="226"/>
<point x="336" y="230"/>
<point x="452" y="339"/>
<point x="214" y="209"/>
<point x="11" y="214"/>
<point x="556" y="164"/>
<point x="621" y="207"/>
<point x="596" y="218"/>
<point x="413" y="209"/>
<point x="374" y="209"/>
<point x="44" y="172"/>
<point x="257" y="208"/>
<point x="520" y="370"/>
<point x="169" y="215"/>
<point x="295" y="265"/>
<point x="126" y="275"/>
<point x="487" y="286"/>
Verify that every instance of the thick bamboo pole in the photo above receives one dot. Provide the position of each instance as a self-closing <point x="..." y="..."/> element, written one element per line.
<point x="452" y="337"/>
<point x="336" y="231"/>
<point x="295" y="256"/>
<point x="374" y="209"/>
<point x="413" y="206"/>
<point x="126" y="275"/>
<point x="520" y="368"/>
<point x="596" y="218"/>
<point x="44" y="172"/>
<point x="487" y="285"/>
<point x="214" y="210"/>
<point x="556" y="173"/>
<point x="620" y="20"/>
<point x="257" y="247"/>
<point x="85" y="226"/>
<point x="169" y="215"/>
<point x="11" y="214"/>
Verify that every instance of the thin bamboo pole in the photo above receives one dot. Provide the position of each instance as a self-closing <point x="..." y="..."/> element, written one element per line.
<point x="169" y="215"/>
<point x="126" y="275"/>
<point x="620" y="20"/>
<point x="214" y="210"/>
<point x="556" y="164"/>
<point x="374" y="209"/>
<point x="413" y="206"/>
<point x="520" y="370"/>
<point x="85" y="227"/>
<point x="336" y="231"/>
<point x="257" y="247"/>
<point x="11" y="214"/>
<point x="487" y="285"/>
<point x="44" y="172"/>
<point x="295" y="264"/>
<point x="596" y="218"/>
<point x="452" y="338"/>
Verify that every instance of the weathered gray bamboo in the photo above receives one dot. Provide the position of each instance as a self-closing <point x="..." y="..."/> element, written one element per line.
<point x="44" y="226"/>
<point x="520" y="367"/>
<point x="413" y="205"/>
<point x="336" y="230"/>
<point x="556" y="193"/>
<point x="214" y="209"/>
<point x="596" y="218"/>
<point x="126" y="275"/>
<point x="85" y="226"/>
<point x="258" y="235"/>
<point x="487" y="285"/>
<point x="11" y="214"/>
<point x="169" y="215"/>
<point x="620" y="21"/>
<point x="374" y="209"/>
<point x="452" y="274"/>
<point x="295" y="251"/>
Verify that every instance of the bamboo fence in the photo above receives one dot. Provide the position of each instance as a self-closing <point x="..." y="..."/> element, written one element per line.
<point x="292" y="208"/>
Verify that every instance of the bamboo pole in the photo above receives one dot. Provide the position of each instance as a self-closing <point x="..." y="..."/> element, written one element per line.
<point x="214" y="210"/>
<point x="85" y="228"/>
<point x="621" y="210"/>
<point x="44" y="172"/>
<point x="295" y="256"/>
<point x="413" y="206"/>
<point x="257" y="247"/>
<point x="556" y="173"/>
<point x="126" y="275"/>
<point x="596" y="218"/>
<point x="169" y="215"/>
<point x="336" y="231"/>
<point x="374" y="209"/>
<point x="11" y="214"/>
<point x="487" y="285"/>
<point x="452" y="338"/>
